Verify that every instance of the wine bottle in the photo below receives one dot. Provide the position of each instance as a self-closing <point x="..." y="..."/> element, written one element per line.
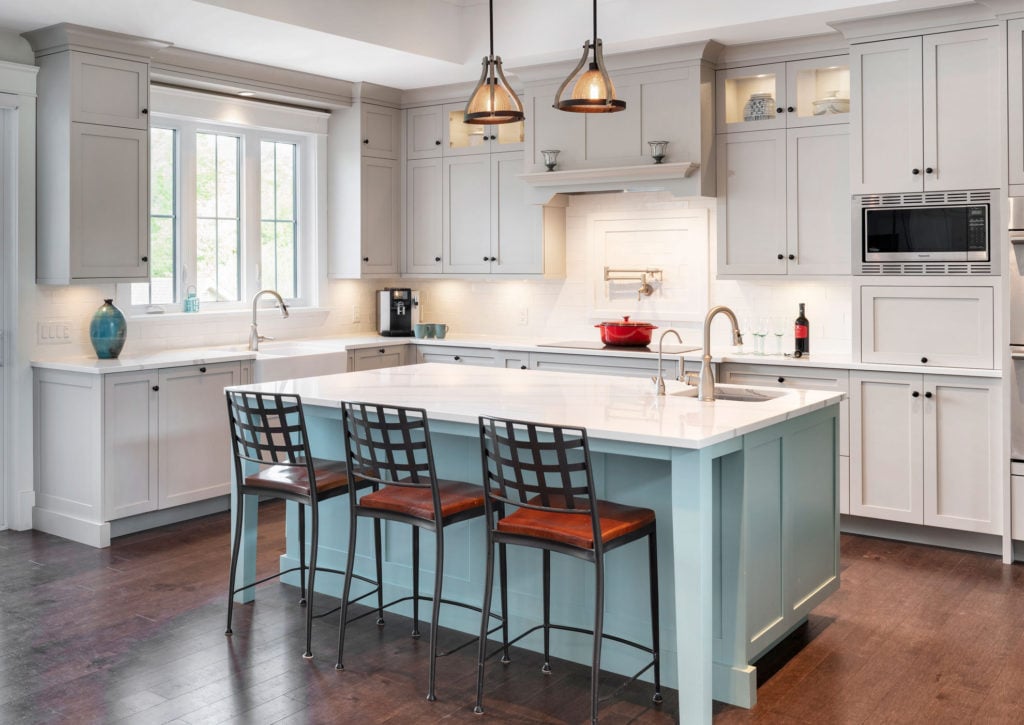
<point x="802" y="334"/>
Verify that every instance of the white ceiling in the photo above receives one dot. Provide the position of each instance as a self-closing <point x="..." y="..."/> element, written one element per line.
<point x="417" y="43"/>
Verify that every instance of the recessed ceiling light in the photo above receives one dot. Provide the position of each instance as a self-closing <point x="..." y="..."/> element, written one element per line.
<point x="246" y="93"/>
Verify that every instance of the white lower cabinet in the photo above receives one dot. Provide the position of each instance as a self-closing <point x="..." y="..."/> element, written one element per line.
<point x="925" y="449"/>
<point x="454" y="355"/>
<point x="117" y="445"/>
<point x="791" y="376"/>
<point x="606" y="365"/>
<point x="375" y="358"/>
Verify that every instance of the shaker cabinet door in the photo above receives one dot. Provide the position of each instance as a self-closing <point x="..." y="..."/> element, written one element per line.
<point x="466" y="188"/>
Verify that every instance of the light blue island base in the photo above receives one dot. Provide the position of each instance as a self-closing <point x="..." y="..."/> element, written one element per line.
<point x="747" y="535"/>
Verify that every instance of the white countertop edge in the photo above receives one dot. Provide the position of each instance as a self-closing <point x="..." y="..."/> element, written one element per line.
<point x="206" y="355"/>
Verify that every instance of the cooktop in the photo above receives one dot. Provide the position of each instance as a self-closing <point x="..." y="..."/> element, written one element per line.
<point x="598" y="345"/>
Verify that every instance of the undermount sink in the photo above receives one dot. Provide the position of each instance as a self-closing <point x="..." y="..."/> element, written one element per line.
<point x="736" y="394"/>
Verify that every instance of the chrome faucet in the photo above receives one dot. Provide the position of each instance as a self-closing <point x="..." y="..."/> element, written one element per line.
<point x="660" y="380"/>
<point x="706" y="383"/>
<point x="255" y="338"/>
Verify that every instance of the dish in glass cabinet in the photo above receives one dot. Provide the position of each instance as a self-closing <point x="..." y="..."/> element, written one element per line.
<point x="759" y="107"/>
<point x="831" y="104"/>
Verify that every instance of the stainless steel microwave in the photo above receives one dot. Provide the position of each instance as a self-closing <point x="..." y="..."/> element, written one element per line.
<point x="948" y="232"/>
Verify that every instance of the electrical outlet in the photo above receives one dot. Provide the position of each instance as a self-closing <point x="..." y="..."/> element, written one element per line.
<point x="356" y="317"/>
<point x="53" y="332"/>
<point x="524" y="315"/>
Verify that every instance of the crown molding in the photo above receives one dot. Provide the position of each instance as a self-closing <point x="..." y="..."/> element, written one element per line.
<point x="67" y="36"/>
<point x="900" y="25"/>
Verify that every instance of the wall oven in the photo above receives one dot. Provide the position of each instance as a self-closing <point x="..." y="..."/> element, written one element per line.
<point x="925" y="233"/>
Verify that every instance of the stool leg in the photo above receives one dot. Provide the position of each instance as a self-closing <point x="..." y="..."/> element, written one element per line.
<point x="348" y="584"/>
<point x="503" y="579"/>
<point x="235" y="546"/>
<point x="380" y="572"/>
<point x="484" y="621"/>
<point x="436" y="611"/>
<point x="595" y="666"/>
<point x="415" y="581"/>
<point x="546" y="568"/>
<point x="302" y="555"/>
<point x="655" y="636"/>
<point x="314" y="538"/>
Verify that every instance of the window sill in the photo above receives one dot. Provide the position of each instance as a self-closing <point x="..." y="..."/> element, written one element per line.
<point x="301" y="313"/>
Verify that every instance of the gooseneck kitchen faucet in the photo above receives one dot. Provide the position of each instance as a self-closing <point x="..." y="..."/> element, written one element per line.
<point x="660" y="380"/>
<point x="706" y="382"/>
<point x="255" y="338"/>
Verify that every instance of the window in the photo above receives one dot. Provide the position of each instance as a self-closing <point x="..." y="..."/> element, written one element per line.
<point x="232" y="210"/>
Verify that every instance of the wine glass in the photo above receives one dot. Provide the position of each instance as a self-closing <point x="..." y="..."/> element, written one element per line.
<point x="760" y="332"/>
<point x="778" y="329"/>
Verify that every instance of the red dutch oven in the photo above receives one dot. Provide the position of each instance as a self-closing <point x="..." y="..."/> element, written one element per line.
<point x="625" y="333"/>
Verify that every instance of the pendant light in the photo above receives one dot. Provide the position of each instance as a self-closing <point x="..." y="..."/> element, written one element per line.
<point x="493" y="100"/>
<point x="594" y="91"/>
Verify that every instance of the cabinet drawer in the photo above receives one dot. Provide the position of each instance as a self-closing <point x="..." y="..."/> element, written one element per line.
<point x="785" y="376"/>
<point x="945" y="326"/>
<point x="454" y="355"/>
<point x="602" y="365"/>
<point x="374" y="358"/>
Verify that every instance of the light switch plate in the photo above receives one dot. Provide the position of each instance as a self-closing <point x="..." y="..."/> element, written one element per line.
<point x="53" y="332"/>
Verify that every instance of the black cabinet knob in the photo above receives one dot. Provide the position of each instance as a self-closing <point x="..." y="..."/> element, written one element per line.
<point x="915" y="172"/>
<point x="792" y="256"/>
<point x="924" y="360"/>
<point x="779" y="109"/>
<point x="929" y="170"/>
<point x="790" y="109"/>
<point x="366" y="140"/>
<point x="494" y="259"/>
<point x="487" y="259"/>
<point x="366" y="259"/>
<point x="381" y="351"/>
<point x="927" y="395"/>
<point x="155" y="388"/>
<point x="437" y="143"/>
<point x="145" y="259"/>
<point x="437" y="259"/>
<point x="145" y="111"/>
<point x="202" y="369"/>
<point x="916" y="394"/>
<point x="457" y="358"/>
<point x="782" y="256"/>
<point x="782" y="379"/>
<point x="522" y="367"/>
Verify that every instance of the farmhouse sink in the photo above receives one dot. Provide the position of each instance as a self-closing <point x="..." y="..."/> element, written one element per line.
<point x="736" y="393"/>
<point x="297" y="359"/>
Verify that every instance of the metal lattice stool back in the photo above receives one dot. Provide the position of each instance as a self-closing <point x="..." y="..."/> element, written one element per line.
<point x="388" y="445"/>
<point x="268" y="428"/>
<point x="546" y="468"/>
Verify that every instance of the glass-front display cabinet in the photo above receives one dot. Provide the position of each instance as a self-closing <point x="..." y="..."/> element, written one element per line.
<point x="784" y="95"/>
<point x="466" y="138"/>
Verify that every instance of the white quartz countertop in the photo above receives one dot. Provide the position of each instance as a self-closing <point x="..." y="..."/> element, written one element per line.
<point x="613" y="408"/>
<point x="283" y="348"/>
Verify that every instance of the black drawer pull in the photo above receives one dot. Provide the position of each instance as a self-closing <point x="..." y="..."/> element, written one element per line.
<point x="145" y="259"/>
<point x="782" y="379"/>
<point x="929" y="170"/>
<point x="928" y="395"/>
<point x="437" y="259"/>
<point x="437" y="143"/>
<point x="381" y="351"/>
<point x="156" y="388"/>
<point x="782" y="256"/>
<point x="366" y="259"/>
<point x="924" y="360"/>
<point x="779" y="109"/>
<point x="790" y="109"/>
<point x="202" y="369"/>
<point x="366" y="140"/>
<point x="792" y="256"/>
<point x="457" y="358"/>
<point x="915" y="172"/>
<point x="522" y="367"/>
<point x="145" y="111"/>
<point x="915" y="394"/>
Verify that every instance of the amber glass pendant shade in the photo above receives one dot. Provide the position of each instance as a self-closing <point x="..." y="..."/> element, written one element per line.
<point x="593" y="91"/>
<point x="493" y="101"/>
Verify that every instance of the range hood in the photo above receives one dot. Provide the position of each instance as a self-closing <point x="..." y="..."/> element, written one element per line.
<point x="674" y="177"/>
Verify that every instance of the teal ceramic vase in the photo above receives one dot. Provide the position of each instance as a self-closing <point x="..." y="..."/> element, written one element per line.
<point x="107" y="331"/>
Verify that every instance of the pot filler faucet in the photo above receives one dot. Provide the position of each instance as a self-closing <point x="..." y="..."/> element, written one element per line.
<point x="706" y="382"/>
<point x="255" y="338"/>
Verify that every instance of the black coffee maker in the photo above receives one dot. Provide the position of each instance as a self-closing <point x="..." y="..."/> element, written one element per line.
<point x="397" y="311"/>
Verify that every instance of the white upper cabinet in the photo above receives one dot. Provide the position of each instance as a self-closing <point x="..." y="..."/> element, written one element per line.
<point x="783" y="206"/>
<point x="517" y="239"/>
<point x="784" y="95"/>
<point x="1015" y="78"/>
<point x="915" y="101"/>
<point x="109" y="91"/>
<point x="381" y="131"/>
<point x="467" y="214"/>
<point x="381" y="222"/>
<point x="424" y="132"/>
<point x="423" y="210"/>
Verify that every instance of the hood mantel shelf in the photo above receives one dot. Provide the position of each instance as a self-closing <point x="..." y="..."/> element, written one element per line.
<point x="673" y="177"/>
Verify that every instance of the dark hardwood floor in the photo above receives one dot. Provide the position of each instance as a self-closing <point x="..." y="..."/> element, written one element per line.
<point x="134" y="633"/>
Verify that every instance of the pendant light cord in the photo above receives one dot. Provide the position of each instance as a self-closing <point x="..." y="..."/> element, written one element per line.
<point x="490" y="15"/>
<point x="595" y="24"/>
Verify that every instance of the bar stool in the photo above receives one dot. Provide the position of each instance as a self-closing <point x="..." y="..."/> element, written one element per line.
<point x="544" y="473"/>
<point x="389" y="449"/>
<point x="269" y="429"/>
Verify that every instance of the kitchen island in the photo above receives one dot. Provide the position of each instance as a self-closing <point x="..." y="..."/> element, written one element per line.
<point x="745" y="492"/>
